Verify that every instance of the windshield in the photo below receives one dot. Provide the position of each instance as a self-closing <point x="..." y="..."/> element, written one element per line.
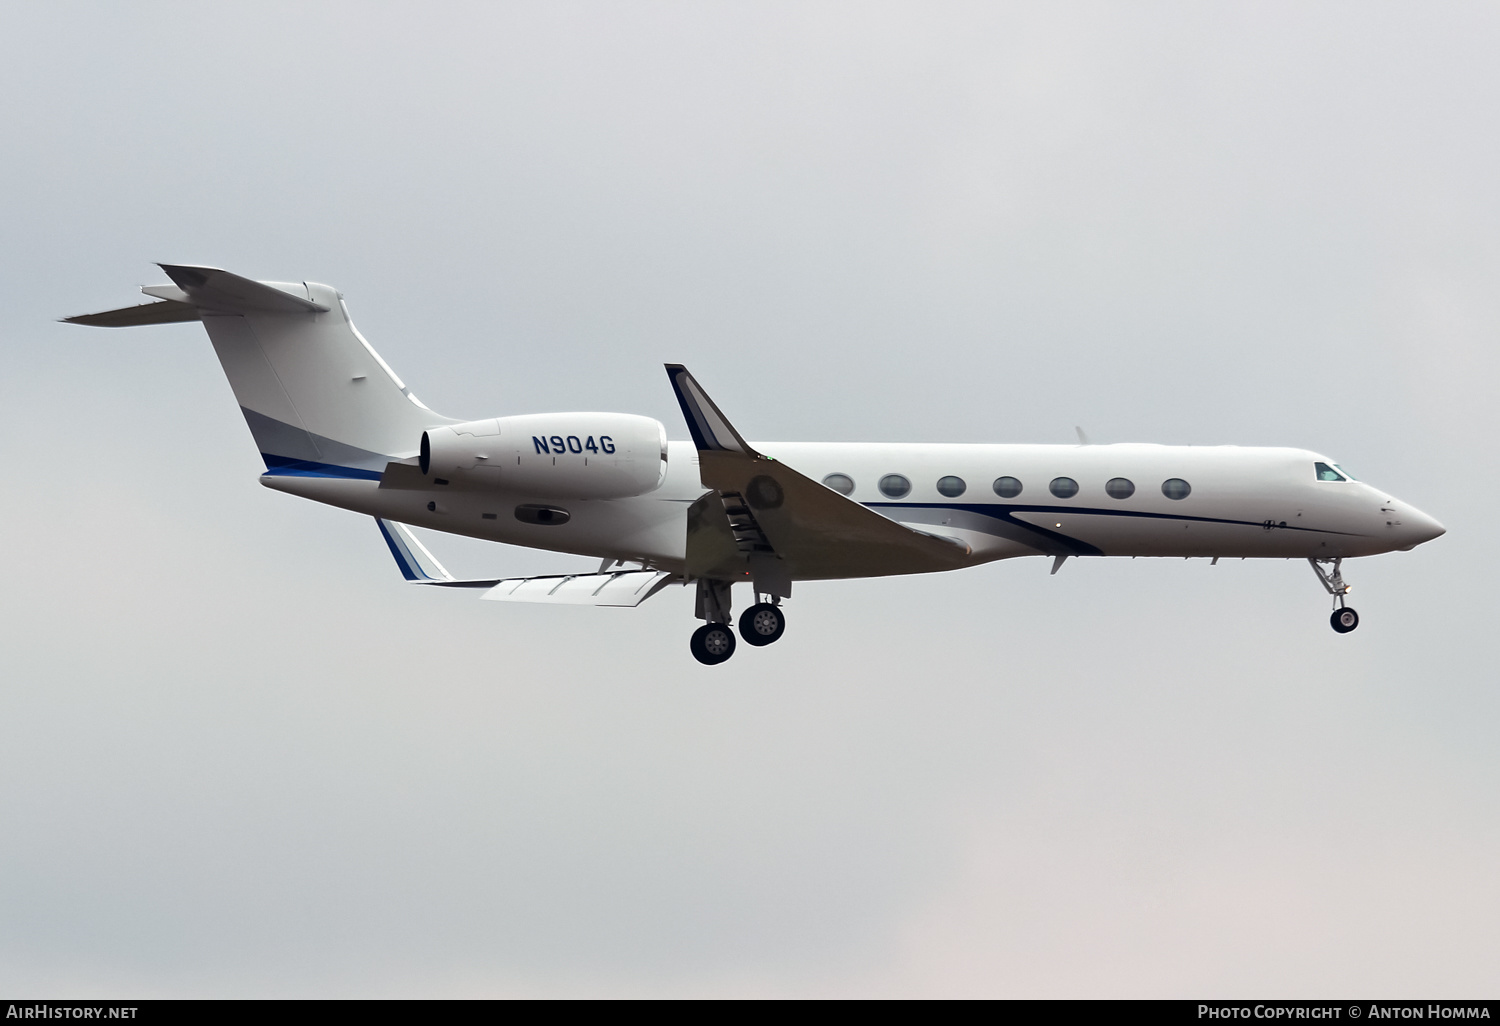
<point x="1327" y="473"/>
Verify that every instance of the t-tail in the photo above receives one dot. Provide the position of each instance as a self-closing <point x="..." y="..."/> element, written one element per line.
<point x="318" y="399"/>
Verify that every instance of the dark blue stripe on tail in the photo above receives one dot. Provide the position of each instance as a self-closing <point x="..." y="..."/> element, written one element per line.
<point x="282" y="466"/>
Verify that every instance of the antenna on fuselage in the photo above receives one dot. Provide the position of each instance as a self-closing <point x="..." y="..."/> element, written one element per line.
<point x="1083" y="439"/>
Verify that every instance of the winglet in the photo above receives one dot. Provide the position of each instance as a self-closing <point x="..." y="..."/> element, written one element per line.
<point x="416" y="563"/>
<point x="711" y="430"/>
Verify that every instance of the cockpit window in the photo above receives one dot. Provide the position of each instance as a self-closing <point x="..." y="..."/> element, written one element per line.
<point x="1327" y="473"/>
<point x="1340" y="468"/>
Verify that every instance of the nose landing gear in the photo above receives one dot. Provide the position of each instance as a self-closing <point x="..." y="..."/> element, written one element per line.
<point x="1344" y="619"/>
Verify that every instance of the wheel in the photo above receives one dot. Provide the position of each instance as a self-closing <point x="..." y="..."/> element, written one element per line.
<point x="762" y="624"/>
<point x="712" y="643"/>
<point x="1344" y="620"/>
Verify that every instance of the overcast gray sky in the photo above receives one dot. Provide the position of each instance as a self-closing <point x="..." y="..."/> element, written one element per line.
<point x="239" y="757"/>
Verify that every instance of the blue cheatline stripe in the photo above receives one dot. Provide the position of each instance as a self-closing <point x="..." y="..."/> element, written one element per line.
<point x="409" y="567"/>
<point x="282" y="466"/>
<point x="1002" y="512"/>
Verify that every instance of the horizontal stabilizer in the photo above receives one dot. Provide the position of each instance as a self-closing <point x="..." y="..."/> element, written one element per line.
<point x="206" y="289"/>
<point x="621" y="588"/>
<point x="212" y="289"/>
<point x="167" y="312"/>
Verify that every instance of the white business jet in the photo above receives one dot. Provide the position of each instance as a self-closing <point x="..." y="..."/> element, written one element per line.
<point x="335" y="424"/>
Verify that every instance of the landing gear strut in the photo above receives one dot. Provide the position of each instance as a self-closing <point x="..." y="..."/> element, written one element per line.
<point x="1344" y="619"/>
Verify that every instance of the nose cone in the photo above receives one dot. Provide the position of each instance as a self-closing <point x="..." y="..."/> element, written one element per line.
<point x="1417" y="527"/>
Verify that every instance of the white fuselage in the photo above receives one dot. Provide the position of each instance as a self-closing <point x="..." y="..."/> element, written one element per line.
<point x="1243" y="502"/>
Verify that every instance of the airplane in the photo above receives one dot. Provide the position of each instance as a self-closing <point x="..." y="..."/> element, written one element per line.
<point x="335" y="424"/>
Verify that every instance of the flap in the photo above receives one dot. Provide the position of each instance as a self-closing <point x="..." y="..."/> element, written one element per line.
<point x="625" y="588"/>
<point x="614" y="588"/>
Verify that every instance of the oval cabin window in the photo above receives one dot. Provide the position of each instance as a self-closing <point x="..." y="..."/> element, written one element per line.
<point x="1119" y="488"/>
<point x="951" y="486"/>
<point x="894" y="486"/>
<point x="1063" y="487"/>
<point x="1007" y="487"/>
<point x="841" y="483"/>
<point x="1176" y="488"/>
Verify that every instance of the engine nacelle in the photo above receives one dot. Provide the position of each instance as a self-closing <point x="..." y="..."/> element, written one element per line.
<point x="552" y="455"/>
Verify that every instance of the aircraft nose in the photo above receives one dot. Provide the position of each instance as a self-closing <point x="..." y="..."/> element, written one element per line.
<point x="1419" y="527"/>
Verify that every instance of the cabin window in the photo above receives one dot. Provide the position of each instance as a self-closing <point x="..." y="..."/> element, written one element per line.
<point x="1007" y="487"/>
<point x="1063" y="487"/>
<point x="1176" y="488"/>
<point x="841" y="483"/>
<point x="894" y="486"/>
<point x="1327" y="473"/>
<point x="951" y="486"/>
<point x="1119" y="488"/>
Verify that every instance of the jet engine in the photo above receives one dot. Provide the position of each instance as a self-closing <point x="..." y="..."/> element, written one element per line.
<point x="553" y="455"/>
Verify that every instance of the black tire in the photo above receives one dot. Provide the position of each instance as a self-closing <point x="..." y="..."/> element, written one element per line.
<point x="712" y="643"/>
<point x="1344" y="620"/>
<point x="762" y="624"/>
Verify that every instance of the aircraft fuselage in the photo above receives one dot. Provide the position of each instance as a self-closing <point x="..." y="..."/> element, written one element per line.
<point x="1239" y="502"/>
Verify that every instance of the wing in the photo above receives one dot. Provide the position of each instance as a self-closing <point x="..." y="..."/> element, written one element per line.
<point x="764" y="519"/>
<point x="610" y="588"/>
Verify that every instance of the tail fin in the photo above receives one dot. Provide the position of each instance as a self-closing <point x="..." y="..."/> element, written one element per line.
<point x="317" y="397"/>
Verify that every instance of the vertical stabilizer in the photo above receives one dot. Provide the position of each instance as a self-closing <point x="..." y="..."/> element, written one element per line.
<point x="319" y="400"/>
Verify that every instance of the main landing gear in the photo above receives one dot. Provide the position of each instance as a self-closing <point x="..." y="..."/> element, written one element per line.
<point x="1344" y="619"/>
<point x="762" y="624"/>
<point x="714" y="642"/>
